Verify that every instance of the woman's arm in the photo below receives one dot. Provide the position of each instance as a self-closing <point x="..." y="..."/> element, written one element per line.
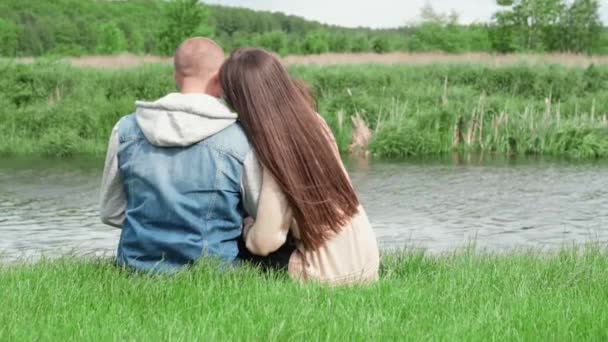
<point x="269" y="231"/>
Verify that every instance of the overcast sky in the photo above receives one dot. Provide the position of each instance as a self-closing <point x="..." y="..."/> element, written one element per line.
<point x="375" y="13"/>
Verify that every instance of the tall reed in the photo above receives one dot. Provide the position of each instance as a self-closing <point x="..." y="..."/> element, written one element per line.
<point x="54" y="109"/>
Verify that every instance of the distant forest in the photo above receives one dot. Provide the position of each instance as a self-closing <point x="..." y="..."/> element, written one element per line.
<point x="84" y="27"/>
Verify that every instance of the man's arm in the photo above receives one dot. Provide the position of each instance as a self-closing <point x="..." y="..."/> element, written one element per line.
<point x="113" y="199"/>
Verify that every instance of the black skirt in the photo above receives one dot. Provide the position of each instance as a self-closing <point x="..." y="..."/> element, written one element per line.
<point x="276" y="261"/>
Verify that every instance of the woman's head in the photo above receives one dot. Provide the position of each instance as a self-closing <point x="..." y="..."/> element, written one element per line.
<point x="291" y="141"/>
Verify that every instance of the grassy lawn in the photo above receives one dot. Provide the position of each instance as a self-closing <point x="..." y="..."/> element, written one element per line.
<point x="461" y="296"/>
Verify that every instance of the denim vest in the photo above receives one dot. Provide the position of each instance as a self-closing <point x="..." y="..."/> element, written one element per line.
<point x="182" y="202"/>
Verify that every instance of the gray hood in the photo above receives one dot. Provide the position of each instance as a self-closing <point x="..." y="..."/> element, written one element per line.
<point x="182" y="119"/>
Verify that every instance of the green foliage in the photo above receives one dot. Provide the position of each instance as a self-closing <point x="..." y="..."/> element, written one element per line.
<point x="58" y="142"/>
<point x="137" y="42"/>
<point x="54" y="109"/>
<point x="502" y="34"/>
<point x="432" y="36"/>
<point x="78" y="27"/>
<point x="65" y="26"/>
<point x="359" y="43"/>
<point x="9" y="38"/>
<point x="381" y="45"/>
<point x="112" y="39"/>
<point x="547" y="25"/>
<point x="315" y="43"/>
<point x="451" y="38"/>
<point x="182" y="19"/>
<point x="274" y="41"/>
<point x="583" y="26"/>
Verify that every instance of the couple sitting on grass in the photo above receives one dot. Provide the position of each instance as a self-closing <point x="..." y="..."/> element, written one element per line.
<point x="186" y="177"/>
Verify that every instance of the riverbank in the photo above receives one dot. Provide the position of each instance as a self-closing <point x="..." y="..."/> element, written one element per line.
<point x="462" y="296"/>
<point x="57" y="110"/>
<point x="126" y="60"/>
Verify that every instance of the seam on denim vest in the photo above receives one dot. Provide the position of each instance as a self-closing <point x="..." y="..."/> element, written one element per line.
<point x="230" y="151"/>
<point x="225" y="144"/>
<point x="214" y="197"/>
<point x="128" y="135"/>
<point x="124" y="139"/>
<point x="220" y="148"/>
<point x="135" y="151"/>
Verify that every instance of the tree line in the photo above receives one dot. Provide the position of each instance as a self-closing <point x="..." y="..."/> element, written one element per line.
<point x="79" y="27"/>
<point x="549" y="25"/>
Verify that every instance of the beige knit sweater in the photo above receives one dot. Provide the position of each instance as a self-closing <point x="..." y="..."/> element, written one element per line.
<point x="349" y="257"/>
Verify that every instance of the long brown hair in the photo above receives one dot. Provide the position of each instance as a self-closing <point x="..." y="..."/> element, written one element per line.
<point x="291" y="142"/>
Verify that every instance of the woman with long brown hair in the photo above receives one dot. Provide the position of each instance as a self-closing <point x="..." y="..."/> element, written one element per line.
<point x="305" y="188"/>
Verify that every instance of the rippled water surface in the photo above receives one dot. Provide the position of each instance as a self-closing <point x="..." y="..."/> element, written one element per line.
<point x="50" y="207"/>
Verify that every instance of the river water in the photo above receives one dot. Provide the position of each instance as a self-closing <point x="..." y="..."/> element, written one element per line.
<point x="49" y="207"/>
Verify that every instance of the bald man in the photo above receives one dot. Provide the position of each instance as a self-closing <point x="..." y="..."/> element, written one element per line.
<point x="197" y="62"/>
<point x="180" y="174"/>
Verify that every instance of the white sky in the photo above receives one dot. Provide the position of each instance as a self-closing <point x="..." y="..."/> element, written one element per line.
<point x="375" y="13"/>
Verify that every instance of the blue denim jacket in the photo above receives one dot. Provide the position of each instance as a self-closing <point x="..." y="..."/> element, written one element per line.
<point x="182" y="202"/>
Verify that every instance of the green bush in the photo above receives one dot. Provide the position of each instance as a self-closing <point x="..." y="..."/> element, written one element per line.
<point x="112" y="39"/>
<point x="359" y="43"/>
<point x="274" y="41"/>
<point x="51" y="108"/>
<point x="380" y="45"/>
<point x="315" y="43"/>
<point x="9" y="38"/>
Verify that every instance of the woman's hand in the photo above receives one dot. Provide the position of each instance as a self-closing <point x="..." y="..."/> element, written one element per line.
<point x="247" y="224"/>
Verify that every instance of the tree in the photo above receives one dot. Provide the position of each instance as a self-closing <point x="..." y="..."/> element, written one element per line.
<point x="111" y="39"/>
<point x="583" y="26"/>
<point x="543" y="25"/>
<point x="182" y="19"/>
<point x="429" y="15"/>
<point x="529" y="24"/>
<point x="502" y="33"/>
<point x="541" y="17"/>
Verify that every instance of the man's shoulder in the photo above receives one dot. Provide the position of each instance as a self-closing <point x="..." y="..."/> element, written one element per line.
<point x="127" y="127"/>
<point x="232" y="140"/>
<point x="235" y="130"/>
<point x="125" y="120"/>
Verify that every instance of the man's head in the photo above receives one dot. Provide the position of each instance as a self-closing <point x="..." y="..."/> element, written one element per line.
<point x="197" y="62"/>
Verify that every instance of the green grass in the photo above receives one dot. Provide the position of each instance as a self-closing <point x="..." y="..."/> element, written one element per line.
<point x="56" y="110"/>
<point x="462" y="296"/>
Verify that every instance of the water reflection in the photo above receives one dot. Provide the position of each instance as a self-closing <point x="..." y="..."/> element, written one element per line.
<point x="50" y="206"/>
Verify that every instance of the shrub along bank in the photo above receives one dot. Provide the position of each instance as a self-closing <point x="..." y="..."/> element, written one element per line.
<point x="57" y="110"/>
